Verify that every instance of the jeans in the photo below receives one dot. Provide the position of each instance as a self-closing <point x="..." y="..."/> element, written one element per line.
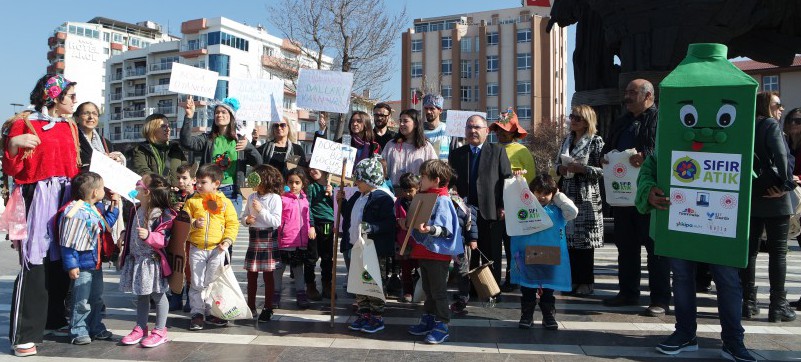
<point x="776" y="229"/>
<point x="730" y="299"/>
<point x="87" y="300"/>
<point x="631" y="234"/>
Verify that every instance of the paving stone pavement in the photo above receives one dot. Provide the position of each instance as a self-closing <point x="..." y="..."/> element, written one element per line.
<point x="588" y="330"/>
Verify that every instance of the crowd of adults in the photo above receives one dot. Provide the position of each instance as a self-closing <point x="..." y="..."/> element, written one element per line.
<point x="481" y="167"/>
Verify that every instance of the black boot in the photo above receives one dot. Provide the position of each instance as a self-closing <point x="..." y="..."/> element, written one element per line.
<point x="779" y="310"/>
<point x="549" y="316"/>
<point x="750" y="307"/>
<point x="526" y="314"/>
<point x="797" y="304"/>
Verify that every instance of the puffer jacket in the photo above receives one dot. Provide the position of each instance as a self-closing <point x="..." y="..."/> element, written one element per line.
<point x="220" y="226"/>
<point x="164" y="161"/>
<point x="295" y="221"/>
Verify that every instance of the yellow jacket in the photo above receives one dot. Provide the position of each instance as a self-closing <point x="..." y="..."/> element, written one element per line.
<point x="218" y="227"/>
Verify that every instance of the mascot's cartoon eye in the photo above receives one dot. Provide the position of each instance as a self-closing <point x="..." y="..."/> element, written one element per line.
<point x="688" y="115"/>
<point x="726" y="115"/>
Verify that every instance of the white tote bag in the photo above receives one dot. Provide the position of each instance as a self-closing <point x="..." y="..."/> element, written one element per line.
<point x="364" y="276"/>
<point x="419" y="295"/>
<point x="225" y="295"/>
<point x="524" y="214"/>
<point x="620" y="178"/>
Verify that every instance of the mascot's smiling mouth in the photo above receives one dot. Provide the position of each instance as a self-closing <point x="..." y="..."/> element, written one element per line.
<point x="701" y="136"/>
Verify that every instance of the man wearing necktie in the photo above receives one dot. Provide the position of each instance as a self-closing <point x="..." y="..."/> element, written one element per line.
<point x="481" y="168"/>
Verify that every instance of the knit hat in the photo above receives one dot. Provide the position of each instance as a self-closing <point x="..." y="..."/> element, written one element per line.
<point x="231" y="104"/>
<point x="433" y="100"/>
<point x="369" y="171"/>
<point x="508" y="122"/>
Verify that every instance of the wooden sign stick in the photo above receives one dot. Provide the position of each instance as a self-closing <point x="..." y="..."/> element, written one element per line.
<point x="409" y="228"/>
<point x="336" y="247"/>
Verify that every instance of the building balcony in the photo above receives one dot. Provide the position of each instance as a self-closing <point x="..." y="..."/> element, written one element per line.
<point x="115" y="96"/>
<point x="160" y="67"/>
<point x="134" y="114"/>
<point x="115" y="116"/>
<point x="115" y="77"/>
<point x="59" y="66"/>
<point x="136" y="93"/>
<point x="135" y="72"/>
<point x="56" y="52"/>
<point x="161" y="89"/>
<point x="193" y="49"/>
<point x="167" y="110"/>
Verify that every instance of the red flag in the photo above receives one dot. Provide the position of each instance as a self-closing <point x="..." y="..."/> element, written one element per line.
<point x="545" y="3"/>
<point x="415" y="99"/>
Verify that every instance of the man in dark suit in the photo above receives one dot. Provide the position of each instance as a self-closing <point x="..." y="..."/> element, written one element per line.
<point x="481" y="168"/>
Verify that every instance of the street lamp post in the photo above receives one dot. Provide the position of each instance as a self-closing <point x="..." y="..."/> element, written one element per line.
<point x="17" y="105"/>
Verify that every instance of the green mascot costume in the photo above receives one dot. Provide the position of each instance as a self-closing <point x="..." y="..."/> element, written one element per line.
<point x="704" y="148"/>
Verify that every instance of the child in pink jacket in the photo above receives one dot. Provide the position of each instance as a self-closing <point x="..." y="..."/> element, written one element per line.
<point x="293" y="236"/>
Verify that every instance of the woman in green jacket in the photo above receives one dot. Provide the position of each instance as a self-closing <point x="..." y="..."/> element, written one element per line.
<point x="157" y="154"/>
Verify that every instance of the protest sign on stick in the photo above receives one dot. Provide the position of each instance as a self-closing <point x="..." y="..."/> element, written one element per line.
<point x="187" y="79"/>
<point x="327" y="156"/>
<point x="259" y="99"/>
<point x="455" y="121"/>
<point x="324" y="90"/>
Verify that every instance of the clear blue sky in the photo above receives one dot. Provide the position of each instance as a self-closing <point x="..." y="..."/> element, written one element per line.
<point x="29" y="25"/>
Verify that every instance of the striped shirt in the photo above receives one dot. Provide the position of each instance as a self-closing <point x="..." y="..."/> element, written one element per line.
<point x="81" y="230"/>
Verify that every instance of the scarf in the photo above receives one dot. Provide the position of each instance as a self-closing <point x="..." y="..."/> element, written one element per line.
<point x="440" y="191"/>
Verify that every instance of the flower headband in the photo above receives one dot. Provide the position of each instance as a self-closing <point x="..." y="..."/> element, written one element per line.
<point x="54" y="87"/>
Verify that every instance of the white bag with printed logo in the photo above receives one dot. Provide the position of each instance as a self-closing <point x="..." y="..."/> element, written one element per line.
<point x="225" y="295"/>
<point x="620" y="178"/>
<point x="524" y="214"/>
<point x="364" y="276"/>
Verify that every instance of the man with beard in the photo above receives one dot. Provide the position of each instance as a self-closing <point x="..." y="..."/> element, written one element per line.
<point x="381" y="115"/>
<point x="637" y="129"/>
<point x="434" y="128"/>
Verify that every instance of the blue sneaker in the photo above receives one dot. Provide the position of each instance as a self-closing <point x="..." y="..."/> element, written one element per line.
<point x="439" y="334"/>
<point x="424" y="327"/>
<point x="360" y="322"/>
<point x="374" y="324"/>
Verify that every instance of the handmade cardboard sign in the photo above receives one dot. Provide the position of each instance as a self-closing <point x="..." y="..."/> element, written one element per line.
<point x="187" y="79"/>
<point x="420" y="209"/>
<point x="705" y="142"/>
<point x="456" y="121"/>
<point x="324" y="90"/>
<point x="543" y="255"/>
<point x="259" y="99"/>
<point x="328" y="155"/>
<point x="116" y="177"/>
<point x="176" y="251"/>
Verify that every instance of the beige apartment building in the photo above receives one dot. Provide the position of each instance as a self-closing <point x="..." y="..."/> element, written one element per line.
<point x="785" y="80"/>
<point x="489" y="61"/>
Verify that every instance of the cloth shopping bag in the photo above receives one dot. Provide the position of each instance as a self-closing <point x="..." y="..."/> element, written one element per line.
<point x="364" y="276"/>
<point x="524" y="214"/>
<point x="225" y="295"/>
<point x="620" y="178"/>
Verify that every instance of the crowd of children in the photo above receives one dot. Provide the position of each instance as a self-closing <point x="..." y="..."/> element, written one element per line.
<point x="290" y="223"/>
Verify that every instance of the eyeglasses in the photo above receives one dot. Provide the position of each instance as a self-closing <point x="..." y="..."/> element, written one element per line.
<point x="164" y="126"/>
<point x="277" y="125"/>
<point x="795" y="121"/>
<point x="474" y="128"/>
<point x="574" y="117"/>
<point x="72" y="96"/>
<point x="777" y="104"/>
<point x="379" y="115"/>
<point x="89" y="113"/>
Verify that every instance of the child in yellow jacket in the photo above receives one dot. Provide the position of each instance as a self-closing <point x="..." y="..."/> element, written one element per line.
<point x="214" y="229"/>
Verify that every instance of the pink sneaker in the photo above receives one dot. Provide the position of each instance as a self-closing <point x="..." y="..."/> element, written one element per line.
<point x="157" y="337"/>
<point x="134" y="337"/>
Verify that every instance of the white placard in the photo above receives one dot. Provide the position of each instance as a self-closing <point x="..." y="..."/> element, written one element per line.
<point x="259" y="99"/>
<point x="186" y="79"/>
<point x="456" y="121"/>
<point x="324" y="90"/>
<point x="717" y="171"/>
<point x="116" y="177"/>
<point x="327" y="156"/>
<point x="703" y="212"/>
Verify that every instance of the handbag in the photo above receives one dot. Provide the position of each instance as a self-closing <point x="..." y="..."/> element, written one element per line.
<point x="767" y="174"/>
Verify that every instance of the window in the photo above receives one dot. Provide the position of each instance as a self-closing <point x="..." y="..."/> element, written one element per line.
<point x="492" y="113"/>
<point x="268" y="50"/>
<point x="492" y="38"/>
<point x="106" y="37"/>
<point x="523" y="87"/>
<point x="492" y="89"/>
<point x="447" y="42"/>
<point x="421" y="28"/>
<point x="466" y="44"/>
<point x="134" y="42"/>
<point x="117" y="38"/>
<point x="524" y="112"/>
<point x="222" y="89"/>
<point x="417" y="69"/>
<point x="115" y="52"/>
<point x="417" y="45"/>
<point x="524" y="61"/>
<point x="466" y="67"/>
<point x="106" y="51"/>
<point x="446" y="91"/>
<point x="220" y="37"/>
<point x="467" y="93"/>
<point x="447" y="67"/>
<point x="524" y="36"/>
<point x="492" y="63"/>
<point x="770" y="83"/>
<point x="220" y="64"/>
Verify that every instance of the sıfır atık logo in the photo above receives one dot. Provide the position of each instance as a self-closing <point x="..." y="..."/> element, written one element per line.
<point x="686" y="169"/>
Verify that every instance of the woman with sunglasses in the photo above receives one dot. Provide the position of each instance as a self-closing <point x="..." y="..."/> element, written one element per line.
<point x="41" y="155"/>
<point x="792" y="128"/>
<point x="222" y="147"/>
<point x="282" y="147"/>
<point x="770" y="212"/>
<point x="581" y="183"/>
<point x="87" y="116"/>
<point x="157" y="154"/>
